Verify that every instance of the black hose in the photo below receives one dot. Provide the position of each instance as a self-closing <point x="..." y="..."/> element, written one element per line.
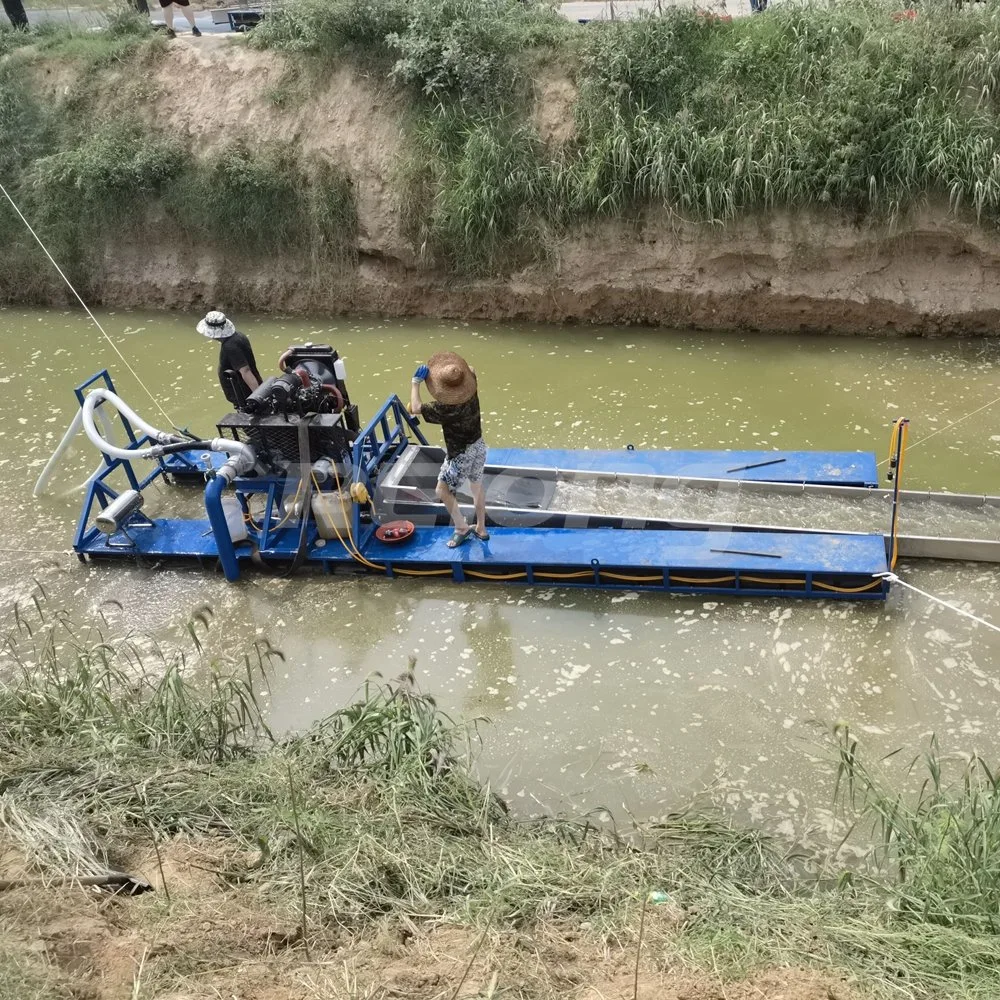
<point x="303" y="549"/>
<point x="171" y="449"/>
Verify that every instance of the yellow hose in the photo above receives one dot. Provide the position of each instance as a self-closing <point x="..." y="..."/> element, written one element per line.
<point x="356" y="554"/>
<point x="290" y="509"/>
<point x="900" y="431"/>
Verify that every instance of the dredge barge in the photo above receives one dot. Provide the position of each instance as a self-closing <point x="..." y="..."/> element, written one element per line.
<point x="294" y="479"/>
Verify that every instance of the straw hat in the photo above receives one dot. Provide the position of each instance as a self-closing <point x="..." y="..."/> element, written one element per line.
<point x="451" y="380"/>
<point x="216" y="326"/>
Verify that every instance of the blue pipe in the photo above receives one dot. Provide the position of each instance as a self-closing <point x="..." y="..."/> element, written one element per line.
<point x="217" y="518"/>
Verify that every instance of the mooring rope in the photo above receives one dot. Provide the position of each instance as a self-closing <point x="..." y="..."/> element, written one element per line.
<point x="948" y="426"/>
<point x="893" y="578"/>
<point x="86" y="308"/>
<point x="36" y="552"/>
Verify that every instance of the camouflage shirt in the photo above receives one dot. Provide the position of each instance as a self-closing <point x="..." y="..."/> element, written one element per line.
<point x="460" y="422"/>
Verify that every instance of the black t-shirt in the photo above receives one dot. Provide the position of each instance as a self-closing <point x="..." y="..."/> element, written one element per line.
<point x="460" y="422"/>
<point x="235" y="353"/>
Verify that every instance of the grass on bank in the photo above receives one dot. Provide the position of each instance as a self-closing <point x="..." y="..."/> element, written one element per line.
<point x="93" y="168"/>
<point x="812" y="106"/>
<point x="942" y="846"/>
<point x="377" y="814"/>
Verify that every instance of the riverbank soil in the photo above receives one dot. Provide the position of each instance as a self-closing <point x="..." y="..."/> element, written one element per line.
<point x="933" y="273"/>
<point x="808" y="271"/>
<point x="215" y="938"/>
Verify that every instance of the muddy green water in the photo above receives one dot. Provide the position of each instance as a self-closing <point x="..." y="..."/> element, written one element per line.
<point x="616" y="699"/>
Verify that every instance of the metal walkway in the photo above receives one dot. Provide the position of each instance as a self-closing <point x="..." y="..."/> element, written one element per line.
<point x="525" y="494"/>
<point x="750" y="563"/>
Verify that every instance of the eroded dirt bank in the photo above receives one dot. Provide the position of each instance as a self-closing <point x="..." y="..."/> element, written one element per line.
<point x="936" y="274"/>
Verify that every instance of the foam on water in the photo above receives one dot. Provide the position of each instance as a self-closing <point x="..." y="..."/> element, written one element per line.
<point x="626" y="700"/>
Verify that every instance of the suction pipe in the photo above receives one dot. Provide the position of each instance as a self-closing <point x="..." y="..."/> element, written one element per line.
<point x="234" y="467"/>
<point x="165" y="443"/>
<point x="241" y="460"/>
<point x="74" y="428"/>
<point x="76" y="425"/>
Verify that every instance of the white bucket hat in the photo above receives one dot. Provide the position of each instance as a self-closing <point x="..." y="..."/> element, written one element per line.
<point x="216" y="326"/>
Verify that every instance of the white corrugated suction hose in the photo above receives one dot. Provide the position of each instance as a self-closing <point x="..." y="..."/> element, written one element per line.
<point x="71" y="432"/>
<point x="102" y="444"/>
<point x="243" y="453"/>
<point x="76" y="425"/>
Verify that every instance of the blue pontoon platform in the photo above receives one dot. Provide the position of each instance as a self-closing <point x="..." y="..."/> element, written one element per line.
<point x="390" y="467"/>
<point x="752" y="563"/>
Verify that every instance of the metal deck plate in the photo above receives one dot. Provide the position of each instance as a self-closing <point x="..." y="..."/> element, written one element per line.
<point x="862" y="555"/>
<point x="841" y="468"/>
<point x="171" y="537"/>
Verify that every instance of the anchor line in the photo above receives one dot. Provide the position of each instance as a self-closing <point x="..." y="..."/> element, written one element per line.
<point x="892" y="578"/>
<point x="953" y="423"/>
<point x="86" y="308"/>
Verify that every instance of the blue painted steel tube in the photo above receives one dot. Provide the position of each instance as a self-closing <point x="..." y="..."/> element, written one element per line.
<point x="217" y="518"/>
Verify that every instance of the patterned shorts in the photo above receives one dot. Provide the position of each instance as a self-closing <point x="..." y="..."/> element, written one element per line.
<point x="466" y="466"/>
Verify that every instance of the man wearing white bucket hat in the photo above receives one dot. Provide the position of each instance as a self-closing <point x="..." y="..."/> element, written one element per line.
<point x="453" y="385"/>
<point x="238" y="373"/>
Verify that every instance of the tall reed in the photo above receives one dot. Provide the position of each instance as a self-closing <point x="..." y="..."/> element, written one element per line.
<point x="937" y="851"/>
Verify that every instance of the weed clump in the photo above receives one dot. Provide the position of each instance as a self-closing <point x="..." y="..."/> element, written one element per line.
<point x="488" y="183"/>
<point x="24" y="123"/>
<point x="268" y="200"/>
<point x="331" y="29"/>
<point x="12" y="38"/>
<point x="107" y="178"/>
<point x="124" y="36"/>
<point x="834" y="106"/>
<point x="937" y="854"/>
<point x="254" y="197"/>
<point x="467" y="48"/>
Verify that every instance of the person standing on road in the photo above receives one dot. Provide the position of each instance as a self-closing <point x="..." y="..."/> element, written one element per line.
<point x="238" y="373"/>
<point x="455" y="389"/>
<point x="14" y="9"/>
<point x="168" y="16"/>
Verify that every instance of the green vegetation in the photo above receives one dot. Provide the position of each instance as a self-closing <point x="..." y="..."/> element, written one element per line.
<point x="94" y="168"/>
<point x="332" y="29"/>
<point x="841" y="106"/>
<point x="813" y="105"/>
<point x="375" y="814"/>
<point x="125" y="34"/>
<point x="265" y="201"/>
<point x="105" y="185"/>
<point x="480" y="190"/>
<point x="943" y="849"/>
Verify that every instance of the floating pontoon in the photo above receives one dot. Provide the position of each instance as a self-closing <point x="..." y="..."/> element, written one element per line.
<point x="294" y="480"/>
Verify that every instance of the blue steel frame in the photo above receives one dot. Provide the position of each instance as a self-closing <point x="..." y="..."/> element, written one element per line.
<point x="381" y="442"/>
<point x="371" y="451"/>
<point x="385" y="437"/>
<point x="98" y="490"/>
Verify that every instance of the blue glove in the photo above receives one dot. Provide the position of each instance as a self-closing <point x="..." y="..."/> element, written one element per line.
<point x="421" y="373"/>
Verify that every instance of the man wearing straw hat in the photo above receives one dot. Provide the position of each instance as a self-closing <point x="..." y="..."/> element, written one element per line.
<point x="238" y="373"/>
<point x="453" y="385"/>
